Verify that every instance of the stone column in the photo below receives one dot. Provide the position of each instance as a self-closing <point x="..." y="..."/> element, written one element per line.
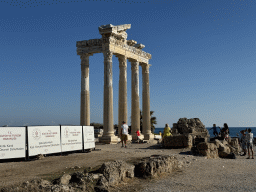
<point x="135" y="99"/>
<point x="108" y="126"/>
<point x="122" y="103"/>
<point x="85" y="92"/>
<point x="146" y="119"/>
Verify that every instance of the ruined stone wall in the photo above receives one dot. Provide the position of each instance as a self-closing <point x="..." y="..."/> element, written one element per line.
<point x="185" y="132"/>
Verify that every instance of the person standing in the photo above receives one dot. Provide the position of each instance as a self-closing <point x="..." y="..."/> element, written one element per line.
<point x="226" y="127"/>
<point x="124" y="134"/>
<point x="243" y="142"/>
<point x="249" y="138"/>
<point x="215" y="133"/>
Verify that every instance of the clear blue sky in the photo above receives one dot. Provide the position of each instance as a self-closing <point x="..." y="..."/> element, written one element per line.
<point x="203" y="59"/>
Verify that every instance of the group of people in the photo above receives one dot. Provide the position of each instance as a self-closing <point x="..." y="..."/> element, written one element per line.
<point x="124" y="133"/>
<point x="224" y="132"/>
<point x="246" y="142"/>
<point x="246" y="139"/>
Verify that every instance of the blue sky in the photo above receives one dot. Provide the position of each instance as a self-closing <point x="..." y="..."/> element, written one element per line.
<point x="203" y="59"/>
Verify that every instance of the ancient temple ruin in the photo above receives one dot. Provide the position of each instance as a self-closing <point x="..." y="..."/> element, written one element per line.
<point x="114" y="42"/>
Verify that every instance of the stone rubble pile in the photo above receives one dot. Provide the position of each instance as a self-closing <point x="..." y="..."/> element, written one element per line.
<point x="192" y="134"/>
<point x="184" y="133"/>
<point x="217" y="148"/>
<point x="109" y="174"/>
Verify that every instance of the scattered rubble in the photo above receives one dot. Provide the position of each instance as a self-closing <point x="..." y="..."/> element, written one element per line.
<point x="109" y="174"/>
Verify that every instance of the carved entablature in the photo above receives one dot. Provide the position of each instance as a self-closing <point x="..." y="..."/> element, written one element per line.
<point x="89" y="43"/>
<point x="89" y="46"/>
<point x="113" y="36"/>
<point x="117" y="31"/>
<point x="139" y="46"/>
<point x="131" y="42"/>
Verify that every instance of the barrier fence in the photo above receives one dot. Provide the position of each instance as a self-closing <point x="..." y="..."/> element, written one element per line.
<point x="23" y="142"/>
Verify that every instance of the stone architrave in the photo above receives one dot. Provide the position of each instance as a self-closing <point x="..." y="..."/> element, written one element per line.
<point x="122" y="103"/>
<point x="85" y="91"/>
<point x="146" y="124"/>
<point x="108" y="126"/>
<point x="135" y="99"/>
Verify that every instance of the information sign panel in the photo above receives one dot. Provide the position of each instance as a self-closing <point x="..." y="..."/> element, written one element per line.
<point x="12" y="142"/>
<point x="71" y="138"/>
<point x="43" y="140"/>
<point x="89" y="142"/>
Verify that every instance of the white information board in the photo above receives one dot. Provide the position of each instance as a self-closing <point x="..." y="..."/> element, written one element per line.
<point x="71" y="138"/>
<point x="12" y="142"/>
<point x="89" y="142"/>
<point x="43" y="140"/>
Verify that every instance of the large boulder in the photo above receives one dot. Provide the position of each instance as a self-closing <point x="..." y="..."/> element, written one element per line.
<point x="117" y="171"/>
<point x="153" y="165"/>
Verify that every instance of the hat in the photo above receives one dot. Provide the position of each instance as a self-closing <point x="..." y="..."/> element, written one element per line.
<point x="123" y="121"/>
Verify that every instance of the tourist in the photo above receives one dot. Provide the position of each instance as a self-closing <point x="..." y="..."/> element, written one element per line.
<point x="138" y="135"/>
<point x="226" y="133"/>
<point x="226" y="127"/>
<point x="167" y="131"/>
<point x="249" y="139"/>
<point x="124" y="134"/>
<point x="215" y="133"/>
<point x="222" y="133"/>
<point x="160" y="133"/>
<point x="243" y="142"/>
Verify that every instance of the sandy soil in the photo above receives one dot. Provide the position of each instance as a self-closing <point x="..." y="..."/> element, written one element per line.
<point x="201" y="174"/>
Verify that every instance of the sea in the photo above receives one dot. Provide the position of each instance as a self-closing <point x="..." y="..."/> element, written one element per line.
<point x="233" y="131"/>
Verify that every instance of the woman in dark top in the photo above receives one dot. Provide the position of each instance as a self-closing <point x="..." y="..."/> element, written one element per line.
<point x="226" y="127"/>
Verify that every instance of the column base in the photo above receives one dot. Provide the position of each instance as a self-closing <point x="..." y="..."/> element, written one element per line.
<point x="109" y="139"/>
<point x="149" y="136"/>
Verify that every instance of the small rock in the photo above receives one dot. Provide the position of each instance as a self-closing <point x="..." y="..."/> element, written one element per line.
<point x="64" y="180"/>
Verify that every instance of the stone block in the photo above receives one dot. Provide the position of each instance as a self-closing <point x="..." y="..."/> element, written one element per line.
<point x="116" y="171"/>
<point x="151" y="166"/>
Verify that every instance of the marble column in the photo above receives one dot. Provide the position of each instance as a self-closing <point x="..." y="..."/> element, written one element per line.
<point x="135" y="113"/>
<point x="146" y="119"/>
<point x="108" y="126"/>
<point x="122" y="100"/>
<point x="85" y="91"/>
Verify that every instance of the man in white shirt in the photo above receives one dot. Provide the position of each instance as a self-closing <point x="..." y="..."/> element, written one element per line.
<point x="124" y="134"/>
<point x="249" y="138"/>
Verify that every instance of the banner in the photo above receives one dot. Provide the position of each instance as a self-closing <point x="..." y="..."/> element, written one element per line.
<point x="71" y="138"/>
<point x="43" y="140"/>
<point x="12" y="142"/>
<point x="89" y="142"/>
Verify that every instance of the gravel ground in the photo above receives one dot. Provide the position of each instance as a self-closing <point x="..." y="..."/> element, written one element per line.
<point x="210" y="175"/>
<point x="199" y="174"/>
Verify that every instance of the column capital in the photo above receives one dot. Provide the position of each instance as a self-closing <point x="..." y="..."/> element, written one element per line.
<point x="122" y="60"/>
<point x="135" y="65"/>
<point x="145" y="67"/>
<point x="108" y="55"/>
<point x="84" y="55"/>
<point x="85" y="58"/>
